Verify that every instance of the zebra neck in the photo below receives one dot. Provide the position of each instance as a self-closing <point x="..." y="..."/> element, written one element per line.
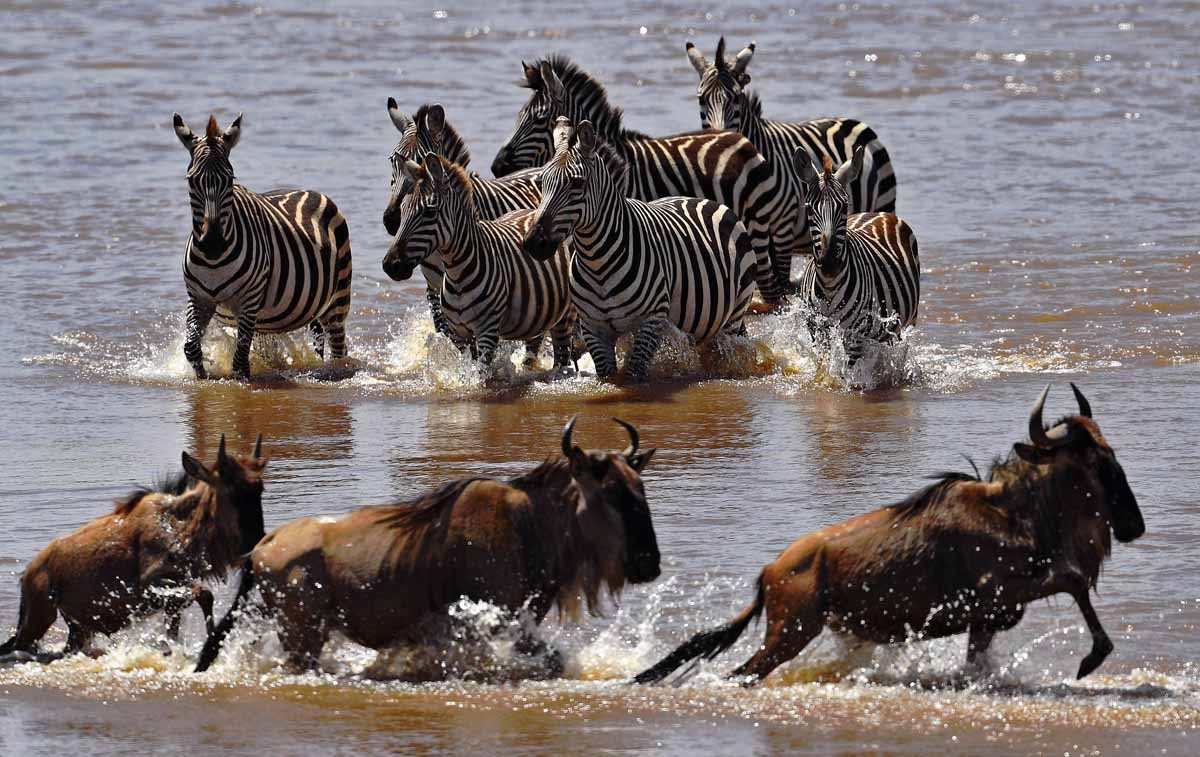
<point x="754" y="126"/>
<point x="602" y="239"/>
<point x="468" y="238"/>
<point x="831" y="270"/>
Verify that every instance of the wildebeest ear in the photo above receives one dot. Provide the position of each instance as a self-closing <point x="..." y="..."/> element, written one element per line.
<point x="196" y="470"/>
<point x="186" y="137"/>
<point x="639" y="460"/>
<point x="399" y="120"/>
<point x="233" y="133"/>
<point x="851" y="169"/>
<point x="1032" y="454"/>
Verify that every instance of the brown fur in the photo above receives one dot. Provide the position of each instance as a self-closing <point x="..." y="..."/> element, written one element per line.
<point x="385" y="575"/>
<point x="112" y="570"/>
<point x="962" y="555"/>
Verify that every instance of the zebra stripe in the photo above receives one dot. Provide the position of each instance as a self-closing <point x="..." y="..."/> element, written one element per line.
<point x="490" y="291"/>
<point x="638" y="266"/>
<point x="271" y="262"/>
<point x="722" y="167"/>
<point x="726" y="104"/>
<point x="865" y="275"/>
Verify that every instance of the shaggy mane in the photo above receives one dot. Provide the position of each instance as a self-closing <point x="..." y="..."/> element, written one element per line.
<point x="454" y="149"/>
<point x="426" y="508"/>
<point x="586" y="89"/>
<point x="170" y="483"/>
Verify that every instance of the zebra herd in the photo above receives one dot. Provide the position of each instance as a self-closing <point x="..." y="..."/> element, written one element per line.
<point x="590" y="228"/>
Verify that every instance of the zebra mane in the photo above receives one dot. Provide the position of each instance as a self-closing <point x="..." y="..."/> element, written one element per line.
<point x="617" y="167"/>
<point x="753" y="104"/>
<point x="586" y="91"/>
<point x="454" y="148"/>
<point x="457" y="175"/>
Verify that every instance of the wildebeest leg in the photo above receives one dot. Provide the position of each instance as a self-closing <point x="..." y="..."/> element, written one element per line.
<point x="978" y="641"/>
<point x="37" y="613"/>
<point x="1077" y="587"/>
<point x="303" y="643"/>
<point x="794" y="618"/>
<point x="78" y="639"/>
<point x="531" y="646"/>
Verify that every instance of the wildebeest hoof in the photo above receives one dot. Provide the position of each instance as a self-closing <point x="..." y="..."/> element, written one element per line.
<point x="1100" y="650"/>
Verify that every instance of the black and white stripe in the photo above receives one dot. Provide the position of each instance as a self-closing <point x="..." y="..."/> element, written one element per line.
<point x="723" y="167"/>
<point x="638" y="266"/>
<point x="271" y="262"/>
<point x="865" y="274"/>
<point x="490" y="290"/>
<point x="726" y="104"/>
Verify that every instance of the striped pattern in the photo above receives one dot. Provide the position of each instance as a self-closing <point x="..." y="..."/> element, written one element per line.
<point x="428" y="133"/>
<point x="865" y="274"/>
<point x="723" y="167"/>
<point x="272" y="262"/>
<point x="490" y="290"/>
<point x="639" y="266"/>
<point x="726" y="104"/>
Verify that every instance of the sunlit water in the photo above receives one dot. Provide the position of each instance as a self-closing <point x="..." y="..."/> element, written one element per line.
<point x="1042" y="160"/>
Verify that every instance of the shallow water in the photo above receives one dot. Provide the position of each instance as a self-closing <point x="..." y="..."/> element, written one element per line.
<point x="1038" y="160"/>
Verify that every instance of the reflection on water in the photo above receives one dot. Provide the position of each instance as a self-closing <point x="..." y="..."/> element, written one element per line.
<point x="1032" y="146"/>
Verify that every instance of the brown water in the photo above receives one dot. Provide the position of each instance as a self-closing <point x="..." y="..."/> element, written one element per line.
<point x="1043" y="158"/>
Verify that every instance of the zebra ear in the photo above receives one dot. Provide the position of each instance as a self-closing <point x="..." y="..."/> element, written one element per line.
<point x="807" y="171"/>
<point x="233" y="133"/>
<point x="413" y="169"/>
<point x="435" y="121"/>
<point x="740" y="63"/>
<point x="399" y="120"/>
<point x="186" y="137"/>
<point x="696" y="58"/>
<point x="586" y="138"/>
<point x="562" y="133"/>
<point x="719" y="58"/>
<point x="435" y="171"/>
<point x="553" y="85"/>
<point x="851" y="169"/>
<point x="533" y="79"/>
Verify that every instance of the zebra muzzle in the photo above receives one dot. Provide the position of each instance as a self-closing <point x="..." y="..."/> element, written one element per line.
<point x="539" y="245"/>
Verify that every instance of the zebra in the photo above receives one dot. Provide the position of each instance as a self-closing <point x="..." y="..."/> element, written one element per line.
<point x="271" y="262"/>
<point x="426" y="133"/>
<point x="638" y="266"/>
<point x="726" y="104"/>
<point x="865" y="275"/>
<point x="723" y="167"/>
<point x="490" y="291"/>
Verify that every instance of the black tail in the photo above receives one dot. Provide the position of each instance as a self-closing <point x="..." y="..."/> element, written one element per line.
<point x="11" y="645"/>
<point x="212" y="646"/>
<point x="706" y="644"/>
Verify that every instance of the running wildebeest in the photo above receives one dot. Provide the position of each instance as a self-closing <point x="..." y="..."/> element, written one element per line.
<point x="962" y="555"/>
<point x="384" y="576"/>
<point x="149" y="554"/>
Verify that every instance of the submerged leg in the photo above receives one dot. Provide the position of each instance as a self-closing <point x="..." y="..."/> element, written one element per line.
<point x="532" y="348"/>
<point x="318" y="338"/>
<point x="645" y="345"/>
<point x="794" y="618"/>
<point x="603" y="352"/>
<point x="978" y="642"/>
<point x="78" y="639"/>
<point x="198" y="316"/>
<point x="561" y="336"/>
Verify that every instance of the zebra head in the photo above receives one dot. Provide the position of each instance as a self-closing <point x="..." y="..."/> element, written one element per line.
<point x="532" y="140"/>
<point x="426" y="133"/>
<point x="721" y="93"/>
<point x="438" y="205"/>
<point x="827" y="201"/>
<point x="210" y="181"/>
<point x="563" y="183"/>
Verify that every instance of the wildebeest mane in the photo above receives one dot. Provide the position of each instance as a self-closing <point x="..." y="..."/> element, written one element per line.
<point x="931" y="495"/>
<point x="426" y="508"/>
<point x="166" y="483"/>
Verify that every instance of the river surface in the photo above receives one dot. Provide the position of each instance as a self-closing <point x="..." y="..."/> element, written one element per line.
<point x="1043" y="157"/>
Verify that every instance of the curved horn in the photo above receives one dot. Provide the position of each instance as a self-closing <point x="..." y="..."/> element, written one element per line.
<point x="568" y="430"/>
<point x="258" y="447"/>
<point x="221" y="450"/>
<point x="633" y="437"/>
<point x="1056" y="437"/>
<point x="1085" y="407"/>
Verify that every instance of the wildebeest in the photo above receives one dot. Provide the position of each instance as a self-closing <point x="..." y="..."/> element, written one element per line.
<point x="385" y="575"/>
<point x="962" y="555"/>
<point x="150" y="553"/>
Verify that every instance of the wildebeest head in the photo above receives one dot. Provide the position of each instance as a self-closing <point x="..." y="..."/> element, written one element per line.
<point x="210" y="180"/>
<point x="1076" y="444"/>
<point x="237" y="480"/>
<point x="827" y="201"/>
<point x="722" y="86"/>
<point x="613" y="506"/>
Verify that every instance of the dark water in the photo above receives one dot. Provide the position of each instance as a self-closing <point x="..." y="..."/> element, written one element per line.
<point x="1043" y="159"/>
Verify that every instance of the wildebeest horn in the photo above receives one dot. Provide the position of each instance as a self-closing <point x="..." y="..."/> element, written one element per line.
<point x="569" y="429"/>
<point x="1055" y="437"/>
<point x="633" y="437"/>
<point x="221" y="450"/>
<point x="258" y="447"/>
<point x="1085" y="407"/>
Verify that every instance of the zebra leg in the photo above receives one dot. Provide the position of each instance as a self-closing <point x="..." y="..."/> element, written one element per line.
<point x="603" y="352"/>
<point x="198" y="315"/>
<point x="435" y="311"/>
<point x="487" y="338"/>
<point x="645" y="345"/>
<point x="247" y="319"/>
<point x="318" y="338"/>
<point x="532" y="348"/>
<point x="561" y="336"/>
<point x="335" y="334"/>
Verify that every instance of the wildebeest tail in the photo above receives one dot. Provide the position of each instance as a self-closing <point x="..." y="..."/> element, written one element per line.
<point x="706" y="644"/>
<point x="212" y="645"/>
<point x="11" y="644"/>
